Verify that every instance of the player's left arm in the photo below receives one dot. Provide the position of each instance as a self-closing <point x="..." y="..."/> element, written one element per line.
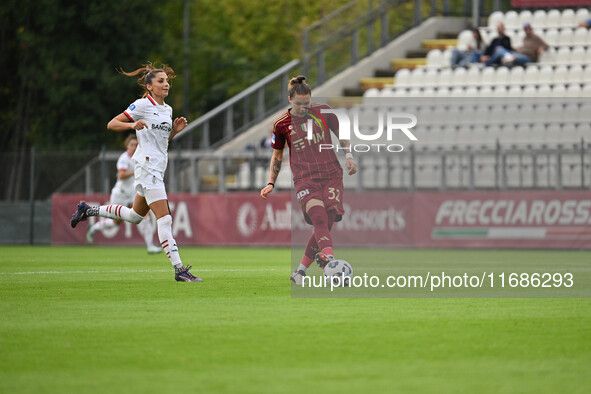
<point x="177" y="126"/>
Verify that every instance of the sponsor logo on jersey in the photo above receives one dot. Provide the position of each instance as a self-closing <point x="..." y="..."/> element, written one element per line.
<point x="273" y="139"/>
<point x="132" y="107"/>
<point x="164" y="126"/>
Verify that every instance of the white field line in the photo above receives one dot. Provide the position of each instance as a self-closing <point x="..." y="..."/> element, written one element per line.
<point x="134" y="271"/>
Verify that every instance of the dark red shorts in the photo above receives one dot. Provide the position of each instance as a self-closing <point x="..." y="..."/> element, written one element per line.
<point x="329" y="191"/>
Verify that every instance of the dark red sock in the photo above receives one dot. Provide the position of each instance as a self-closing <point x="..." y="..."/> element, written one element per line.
<point x="319" y="219"/>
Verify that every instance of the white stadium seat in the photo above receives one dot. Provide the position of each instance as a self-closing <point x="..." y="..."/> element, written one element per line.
<point x="431" y="77"/>
<point x="548" y="56"/>
<point x="459" y="76"/>
<point x="539" y="19"/>
<point x="575" y="74"/>
<point x="545" y="75"/>
<point x="568" y="18"/>
<point x="531" y="75"/>
<point x="530" y="91"/>
<point x="560" y="74"/>
<point x="516" y="76"/>
<point x="581" y="16"/>
<point x="487" y="77"/>
<point x="402" y="77"/>
<point x="559" y="90"/>
<point x="566" y="37"/>
<point x="373" y="92"/>
<point x="573" y="90"/>
<point x="577" y="55"/>
<point x="553" y="18"/>
<point x="525" y="17"/>
<point x="501" y="76"/>
<point x="446" y="58"/>
<point x="465" y="38"/>
<point x="551" y="37"/>
<point x="512" y="20"/>
<point x="473" y="76"/>
<point x="495" y="18"/>
<point x="563" y="55"/>
<point x="416" y="77"/>
<point x="434" y="58"/>
<point x="581" y="36"/>
<point x="445" y="77"/>
<point x="517" y="39"/>
<point x="588" y="56"/>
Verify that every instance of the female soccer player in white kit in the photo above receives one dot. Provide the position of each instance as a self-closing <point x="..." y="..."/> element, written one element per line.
<point x="123" y="193"/>
<point x="151" y="118"/>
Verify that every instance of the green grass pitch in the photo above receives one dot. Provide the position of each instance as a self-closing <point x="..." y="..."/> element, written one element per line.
<point x="113" y="320"/>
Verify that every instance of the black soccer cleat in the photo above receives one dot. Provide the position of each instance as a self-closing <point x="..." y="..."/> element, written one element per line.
<point x="81" y="214"/>
<point x="323" y="259"/>
<point x="183" y="275"/>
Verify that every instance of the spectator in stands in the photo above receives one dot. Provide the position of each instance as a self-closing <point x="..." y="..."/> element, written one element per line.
<point x="501" y="41"/>
<point x="460" y="57"/>
<point x="532" y="48"/>
<point x="586" y="24"/>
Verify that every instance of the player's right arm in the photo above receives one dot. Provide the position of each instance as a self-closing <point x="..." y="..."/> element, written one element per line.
<point x="122" y="123"/>
<point x="275" y="167"/>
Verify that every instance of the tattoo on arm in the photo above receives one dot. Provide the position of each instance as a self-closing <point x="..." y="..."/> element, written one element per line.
<point x="275" y="167"/>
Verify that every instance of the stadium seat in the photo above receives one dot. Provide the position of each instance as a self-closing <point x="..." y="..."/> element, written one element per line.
<point x="531" y="75"/>
<point x="548" y="56"/>
<point x="430" y="77"/>
<point x="581" y="36"/>
<point x="577" y="55"/>
<point x="575" y="74"/>
<point x="566" y="37"/>
<point x="517" y="39"/>
<point x="514" y="91"/>
<point x="568" y="18"/>
<point x="464" y="39"/>
<point x="499" y="91"/>
<point x="434" y="58"/>
<point x="459" y="76"/>
<point x="446" y="58"/>
<point x="560" y="74"/>
<point x="559" y="90"/>
<point x="472" y="77"/>
<point x="546" y="74"/>
<point x="373" y="92"/>
<point x="581" y="15"/>
<point x="539" y="19"/>
<point x="530" y="91"/>
<point x="501" y="76"/>
<point x="512" y="20"/>
<point x="516" y="76"/>
<point x="552" y="18"/>
<point x="525" y="17"/>
<point x="542" y="91"/>
<point x="494" y="19"/>
<point x="487" y="76"/>
<point x="551" y="37"/>
<point x="403" y="77"/>
<point x="417" y="77"/>
<point x="573" y="90"/>
<point x="563" y="55"/>
<point x="485" y="91"/>
<point x="588" y="56"/>
<point x="445" y="77"/>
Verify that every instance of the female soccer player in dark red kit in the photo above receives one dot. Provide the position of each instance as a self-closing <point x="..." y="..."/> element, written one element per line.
<point x="317" y="173"/>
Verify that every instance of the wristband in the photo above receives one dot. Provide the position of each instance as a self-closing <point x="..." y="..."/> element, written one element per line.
<point x="272" y="184"/>
<point x="349" y="155"/>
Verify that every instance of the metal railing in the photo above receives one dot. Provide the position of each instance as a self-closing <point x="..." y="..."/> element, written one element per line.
<point x="433" y="168"/>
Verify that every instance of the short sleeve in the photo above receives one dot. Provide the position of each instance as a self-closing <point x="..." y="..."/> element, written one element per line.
<point x="277" y="139"/>
<point x="123" y="162"/>
<point x="136" y="110"/>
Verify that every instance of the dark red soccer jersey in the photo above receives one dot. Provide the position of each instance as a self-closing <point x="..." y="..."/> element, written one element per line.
<point x="306" y="159"/>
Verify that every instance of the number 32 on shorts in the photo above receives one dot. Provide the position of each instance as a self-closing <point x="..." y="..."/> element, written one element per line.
<point x="334" y="194"/>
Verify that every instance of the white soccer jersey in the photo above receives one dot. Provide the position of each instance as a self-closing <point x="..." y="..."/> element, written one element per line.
<point x="124" y="187"/>
<point x="152" y="151"/>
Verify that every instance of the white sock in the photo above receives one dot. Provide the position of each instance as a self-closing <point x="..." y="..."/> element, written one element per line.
<point x="119" y="212"/>
<point x="167" y="241"/>
<point x="146" y="230"/>
<point x="302" y="267"/>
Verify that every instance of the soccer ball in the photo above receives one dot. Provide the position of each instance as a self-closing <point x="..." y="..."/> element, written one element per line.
<point x="339" y="272"/>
